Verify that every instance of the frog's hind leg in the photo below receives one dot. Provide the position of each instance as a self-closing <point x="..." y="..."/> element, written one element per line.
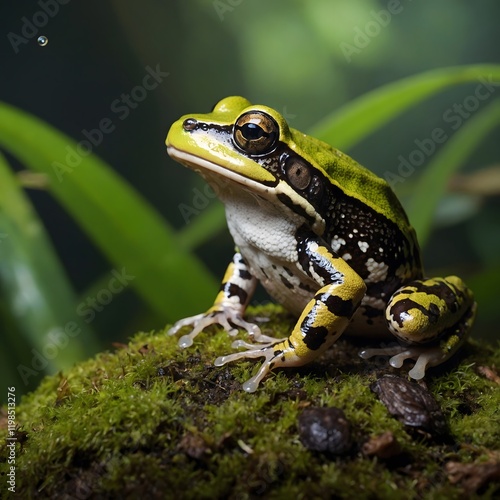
<point x="322" y="321"/>
<point x="432" y="318"/>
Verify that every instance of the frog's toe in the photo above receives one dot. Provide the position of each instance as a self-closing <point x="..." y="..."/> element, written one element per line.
<point x="380" y="351"/>
<point x="187" y="340"/>
<point x="198" y="324"/>
<point x="424" y="357"/>
<point x="184" y="322"/>
<point x="266" y="352"/>
<point x="228" y="318"/>
<point x="235" y="319"/>
<point x="252" y="383"/>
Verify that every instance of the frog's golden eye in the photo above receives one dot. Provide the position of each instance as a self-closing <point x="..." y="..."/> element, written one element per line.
<point x="297" y="172"/>
<point x="256" y="133"/>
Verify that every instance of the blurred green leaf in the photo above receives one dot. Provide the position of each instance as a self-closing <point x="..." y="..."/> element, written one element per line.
<point x="482" y="234"/>
<point x="362" y="116"/>
<point x="485" y="287"/>
<point x="32" y="282"/>
<point x="123" y="225"/>
<point x="204" y="227"/>
<point x="455" y="208"/>
<point x="431" y="185"/>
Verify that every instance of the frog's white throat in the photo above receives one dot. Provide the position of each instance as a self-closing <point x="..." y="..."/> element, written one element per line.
<point x="230" y="185"/>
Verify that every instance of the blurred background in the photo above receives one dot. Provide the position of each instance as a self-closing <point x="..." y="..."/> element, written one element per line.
<point x="304" y="58"/>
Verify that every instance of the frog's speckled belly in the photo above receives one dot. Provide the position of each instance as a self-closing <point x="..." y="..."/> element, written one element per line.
<point x="283" y="283"/>
<point x="293" y="290"/>
<point x="268" y="244"/>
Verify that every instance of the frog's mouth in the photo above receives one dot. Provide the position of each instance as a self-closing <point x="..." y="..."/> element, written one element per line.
<point x="202" y="166"/>
<point x="219" y="176"/>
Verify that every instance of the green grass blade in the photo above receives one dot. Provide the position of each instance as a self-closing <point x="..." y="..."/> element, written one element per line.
<point x="33" y="283"/>
<point x="129" y="232"/>
<point x="431" y="185"/>
<point x="362" y="116"/>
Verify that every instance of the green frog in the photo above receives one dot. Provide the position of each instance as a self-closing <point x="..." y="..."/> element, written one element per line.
<point x="327" y="238"/>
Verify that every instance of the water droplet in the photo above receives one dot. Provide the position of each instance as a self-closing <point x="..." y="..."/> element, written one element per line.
<point x="42" y="41"/>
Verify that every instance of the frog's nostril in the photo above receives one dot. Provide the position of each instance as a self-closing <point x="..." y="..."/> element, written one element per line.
<point x="189" y="124"/>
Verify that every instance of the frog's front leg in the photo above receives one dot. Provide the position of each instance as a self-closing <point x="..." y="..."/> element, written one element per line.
<point x="432" y="318"/>
<point x="322" y="321"/>
<point x="235" y="292"/>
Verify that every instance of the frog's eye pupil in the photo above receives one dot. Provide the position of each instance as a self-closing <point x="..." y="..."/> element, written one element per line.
<point x="252" y="132"/>
<point x="256" y="133"/>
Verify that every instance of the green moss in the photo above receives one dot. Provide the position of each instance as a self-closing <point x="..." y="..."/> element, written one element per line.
<point x="153" y="420"/>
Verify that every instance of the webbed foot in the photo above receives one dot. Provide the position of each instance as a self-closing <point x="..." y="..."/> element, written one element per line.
<point x="424" y="357"/>
<point x="271" y="351"/>
<point x="229" y="318"/>
<point x="429" y="354"/>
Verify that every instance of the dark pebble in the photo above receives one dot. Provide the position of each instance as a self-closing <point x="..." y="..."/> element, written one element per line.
<point x="410" y="403"/>
<point x="325" y="430"/>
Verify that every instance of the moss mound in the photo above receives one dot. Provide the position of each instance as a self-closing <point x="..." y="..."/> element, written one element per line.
<point x="156" y="421"/>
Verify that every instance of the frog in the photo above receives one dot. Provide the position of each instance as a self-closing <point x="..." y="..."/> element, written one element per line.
<point x="327" y="239"/>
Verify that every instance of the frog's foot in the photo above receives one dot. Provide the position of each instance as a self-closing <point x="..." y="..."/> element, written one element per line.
<point x="418" y="314"/>
<point x="272" y="354"/>
<point x="423" y="356"/>
<point x="229" y="318"/>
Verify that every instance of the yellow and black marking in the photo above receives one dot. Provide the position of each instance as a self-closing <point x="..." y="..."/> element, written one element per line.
<point x="328" y="313"/>
<point x="426" y="310"/>
<point x="456" y="335"/>
<point x="237" y="285"/>
<point x="323" y="319"/>
<point x="355" y="253"/>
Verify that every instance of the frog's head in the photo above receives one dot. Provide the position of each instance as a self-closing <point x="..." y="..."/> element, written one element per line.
<point x="249" y="147"/>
